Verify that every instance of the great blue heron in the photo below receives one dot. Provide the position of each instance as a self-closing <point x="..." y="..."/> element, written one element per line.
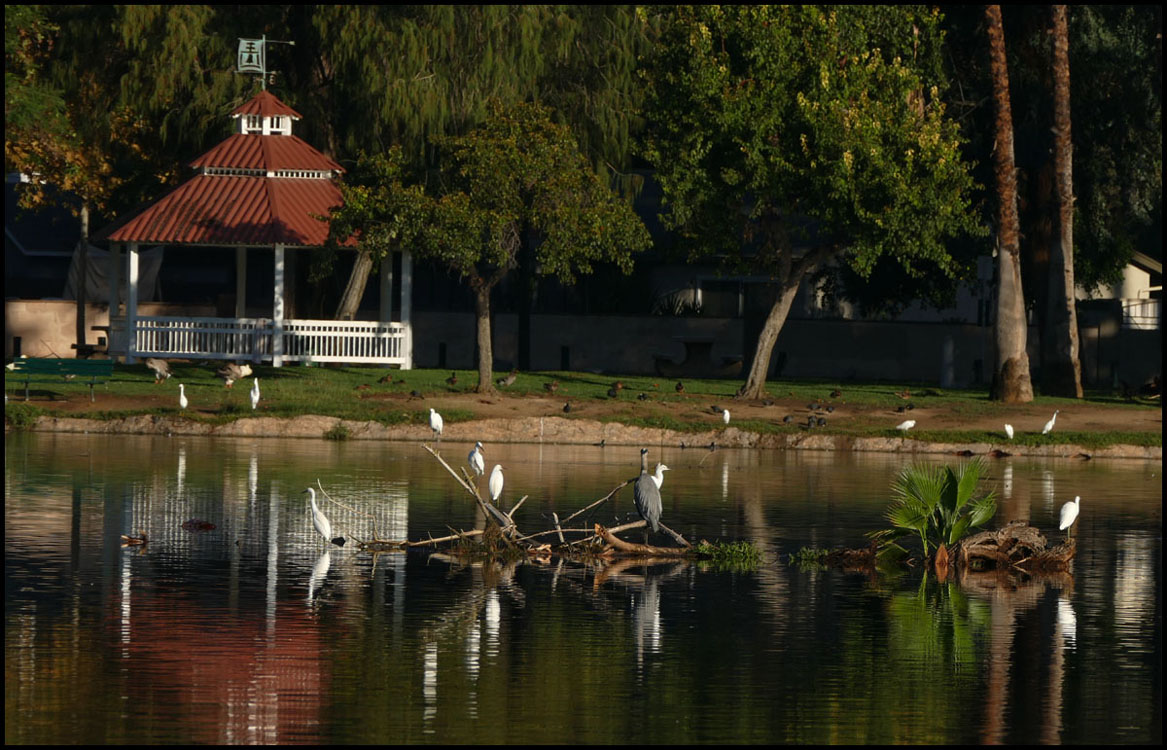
<point x="182" y="402"/>
<point x="160" y="367"/>
<point x="1009" y="431"/>
<point x="1050" y="424"/>
<point x="646" y="495"/>
<point x="255" y="394"/>
<point x="477" y="461"/>
<point x="436" y="423"/>
<point x="906" y="425"/>
<point x="496" y="483"/>
<point x="320" y="521"/>
<point x="1069" y="515"/>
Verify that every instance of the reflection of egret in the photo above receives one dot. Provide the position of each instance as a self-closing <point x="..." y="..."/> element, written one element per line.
<point x="646" y="495"/>
<point x="1007" y="490"/>
<point x="319" y="572"/>
<point x="436" y="423"/>
<point x="477" y="462"/>
<point x="1068" y="622"/>
<point x="493" y="618"/>
<point x="320" y="521"/>
<point x="180" y="478"/>
<point x="724" y="480"/>
<point x="253" y="476"/>
<point x="1047" y="486"/>
<point x="647" y="617"/>
<point x="1069" y="515"/>
<point x="429" y="681"/>
<point x="1050" y="424"/>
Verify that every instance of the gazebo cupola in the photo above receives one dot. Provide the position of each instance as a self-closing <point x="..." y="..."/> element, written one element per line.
<point x="261" y="188"/>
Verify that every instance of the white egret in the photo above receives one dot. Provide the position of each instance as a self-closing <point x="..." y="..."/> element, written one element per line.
<point x="436" y="423"/>
<point x="1069" y="515"/>
<point x="320" y="521"/>
<point x="659" y="477"/>
<point x="906" y="425"/>
<point x="182" y="402"/>
<point x="255" y="394"/>
<point x="477" y="462"/>
<point x="496" y="483"/>
<point x="646" y="495"/>
<point x="725" y="416"/>
<point x="1009" y="431"/>
<point x="1050" y="424"/>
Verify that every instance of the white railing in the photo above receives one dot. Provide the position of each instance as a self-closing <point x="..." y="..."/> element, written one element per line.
<point x="254" y="339"/>
<point x="1141" y="314"/>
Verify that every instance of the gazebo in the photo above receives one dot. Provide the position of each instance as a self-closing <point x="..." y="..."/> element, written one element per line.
<point x="260" y="188"/>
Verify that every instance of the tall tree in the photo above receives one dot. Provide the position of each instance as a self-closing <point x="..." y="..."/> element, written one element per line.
<point x="786" y="138"/>
<point x="515" y="174"/>
<point x="1062" y="371"/>
<point x="1011" y="381"/>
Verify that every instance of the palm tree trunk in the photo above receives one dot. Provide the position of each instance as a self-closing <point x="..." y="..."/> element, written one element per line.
<point x="1062" y="375"/>
<point x="1011" y="381"/>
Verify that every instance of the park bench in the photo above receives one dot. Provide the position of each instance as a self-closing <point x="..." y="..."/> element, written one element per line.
<point x="53" y="370"/>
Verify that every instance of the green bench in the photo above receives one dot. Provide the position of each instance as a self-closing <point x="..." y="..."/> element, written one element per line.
<point x="51" y="370"/>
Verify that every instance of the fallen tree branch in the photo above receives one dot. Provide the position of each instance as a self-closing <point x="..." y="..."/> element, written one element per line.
<point x="644" y="550"/>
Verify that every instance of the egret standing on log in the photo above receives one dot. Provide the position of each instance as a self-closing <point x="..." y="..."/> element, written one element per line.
<point x="496" y="484"/>
<point x="1069" y="515"/>
<point x="1050" y="424"/>
<point x="659" y="477"/>
<point x="477" y="462"/>
<point x="436" y="424"/>
<point x="646" y="495"/>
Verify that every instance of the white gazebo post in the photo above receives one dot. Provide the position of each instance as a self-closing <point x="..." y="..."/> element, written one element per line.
<point x="406" y="308"/>
<point x="115" y="283"/>
<point x="386" y="313"/>
<point x="277" y="324"/>
<point x="132" y="304"/>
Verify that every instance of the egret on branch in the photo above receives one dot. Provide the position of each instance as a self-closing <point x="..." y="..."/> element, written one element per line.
<point x="1069" y="515"/>
<point x="496" y="483"/>
<point x="436" y="423"/>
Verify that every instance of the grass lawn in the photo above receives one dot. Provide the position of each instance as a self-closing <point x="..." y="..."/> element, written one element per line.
<point x="355" y="393"/>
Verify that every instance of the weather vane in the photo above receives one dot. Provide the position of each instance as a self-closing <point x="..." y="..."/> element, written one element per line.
<point x="253" y="56"/>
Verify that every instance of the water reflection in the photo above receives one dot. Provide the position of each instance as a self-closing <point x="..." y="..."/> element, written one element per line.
<point x="207" y="636"/>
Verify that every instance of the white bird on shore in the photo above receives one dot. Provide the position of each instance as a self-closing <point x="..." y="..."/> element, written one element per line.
<point x="477" y="462"/>
<point x="255" y="394"/>
<point x="1009" y="431"/>
<point x="436" y="423"/>
<point x="496" y="483"/>
<point x="182" y="402"/>
<point x="725" y="416"/>
<point x="1050" y="424"/>
<point x="659" y="477"/>
<point x="1069" y="515"/>
<point x="906" y="425"/>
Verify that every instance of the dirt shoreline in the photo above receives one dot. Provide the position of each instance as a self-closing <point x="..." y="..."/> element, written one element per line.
<point x="562" y="431"/>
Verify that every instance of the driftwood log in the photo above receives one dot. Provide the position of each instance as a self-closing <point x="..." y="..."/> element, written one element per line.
<point x="1016" y="545"/>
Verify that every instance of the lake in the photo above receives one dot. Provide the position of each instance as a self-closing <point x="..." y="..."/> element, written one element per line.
<point x="253" y="632"/>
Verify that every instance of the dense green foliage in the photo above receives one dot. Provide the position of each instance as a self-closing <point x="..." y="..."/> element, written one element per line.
<point x="939" y="505"/>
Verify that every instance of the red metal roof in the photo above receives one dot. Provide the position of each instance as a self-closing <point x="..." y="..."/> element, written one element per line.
<point x="266" y="104"/>
<point x="268" y="152"/>
<point x="233" y="210"/>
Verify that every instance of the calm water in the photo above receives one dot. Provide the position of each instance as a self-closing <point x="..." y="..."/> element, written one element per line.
<point x="252" y="633"/>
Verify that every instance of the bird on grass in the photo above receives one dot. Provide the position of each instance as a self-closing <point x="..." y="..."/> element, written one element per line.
<point x="509" y="379"/>
<point x="1009" y="431"/>
<point x="495" y="484"/>
<point x="787" y="419"/>
<point x="231" y="372"/>
<point x="680" y="387"/>
<point x="385" y="379"/>
<point x="255" y="394"/>
<point x="643" y="397"/>
<point x="452" y="380"/>
<point x="567" y="407"/>
<point x="646" y="495"/>
<point x="1050" y="424"/>
<point x="836" y="393"/>
<point x="551" y="387"/>
<point x="906" y="425"/>
<point x="182" y="402"/>
<point x="1069" y="515"/>
<point x="436" y="424"/>
<point x="477" y="460"/>
<point x="320" y="521"/>
<point x="160" y="367"/>
<point x="613" y="392"/>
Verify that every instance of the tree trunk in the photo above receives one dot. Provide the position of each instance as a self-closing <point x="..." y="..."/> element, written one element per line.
<point x="755" y="386"/>
<point x="82" y="282"/>
<point x="1062" y="375"/>
<point x="355" y="290"/>
<point x="485" y="352"/>
<point x="1011" y="381"/>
